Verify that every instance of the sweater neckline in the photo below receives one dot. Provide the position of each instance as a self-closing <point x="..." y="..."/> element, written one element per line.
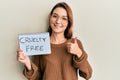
<point x="58" y="45"/>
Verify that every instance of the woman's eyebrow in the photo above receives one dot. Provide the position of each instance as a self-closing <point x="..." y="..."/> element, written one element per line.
<point x="58" y="15"/>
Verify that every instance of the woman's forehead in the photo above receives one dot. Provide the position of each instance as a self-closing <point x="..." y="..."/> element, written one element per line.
<point x="60" y="11"/>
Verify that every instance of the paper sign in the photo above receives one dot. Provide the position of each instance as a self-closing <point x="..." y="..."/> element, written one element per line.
<point x="35" y="44"/>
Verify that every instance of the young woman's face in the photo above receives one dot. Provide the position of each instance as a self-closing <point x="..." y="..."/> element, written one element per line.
<point x="59" y="20"/>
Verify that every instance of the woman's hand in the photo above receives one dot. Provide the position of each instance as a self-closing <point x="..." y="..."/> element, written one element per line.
<point x="73" y="48"/>
<point x="23" y="59"/>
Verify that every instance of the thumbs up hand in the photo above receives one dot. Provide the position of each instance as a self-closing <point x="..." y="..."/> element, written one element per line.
<point x="73" y="48"/>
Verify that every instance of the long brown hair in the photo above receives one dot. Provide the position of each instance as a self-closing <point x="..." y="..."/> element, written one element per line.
<point x="68" y="32"/>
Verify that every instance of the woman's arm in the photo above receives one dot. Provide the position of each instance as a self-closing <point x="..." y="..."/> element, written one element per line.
<point x="31" y="70"/>
<point x="82" y="63"/>
<point x="33" y="74"/>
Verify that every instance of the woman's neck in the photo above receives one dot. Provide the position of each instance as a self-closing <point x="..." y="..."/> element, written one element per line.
<point x="57" y="38"/>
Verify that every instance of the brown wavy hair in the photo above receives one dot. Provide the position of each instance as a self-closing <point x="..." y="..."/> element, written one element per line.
<point x="68" y="32"/>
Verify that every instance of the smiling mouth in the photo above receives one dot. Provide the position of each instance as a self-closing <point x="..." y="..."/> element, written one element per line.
<point x="56" y="25"/>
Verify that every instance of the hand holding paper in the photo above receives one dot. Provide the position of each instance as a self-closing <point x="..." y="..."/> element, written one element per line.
<point x="23" y="59"/>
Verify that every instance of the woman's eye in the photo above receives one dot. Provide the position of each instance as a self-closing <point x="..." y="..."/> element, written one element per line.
<point x="64" y="19"/>
<point x="55" y="16"/>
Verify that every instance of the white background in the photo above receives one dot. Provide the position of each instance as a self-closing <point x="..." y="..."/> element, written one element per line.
<point x="96" y="24"/>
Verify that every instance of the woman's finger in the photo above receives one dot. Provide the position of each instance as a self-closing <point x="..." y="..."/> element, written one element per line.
<point x="19" y="50"/>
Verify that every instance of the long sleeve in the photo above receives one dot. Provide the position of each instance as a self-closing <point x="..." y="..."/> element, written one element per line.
<point x="34" y="73"/>
<point x="82" y="64"/>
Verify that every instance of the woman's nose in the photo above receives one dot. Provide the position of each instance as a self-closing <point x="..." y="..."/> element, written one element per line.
<point x="58" y="20"/>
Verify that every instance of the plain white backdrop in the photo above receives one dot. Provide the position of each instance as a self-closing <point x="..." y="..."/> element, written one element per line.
<point x="96" y="24"/>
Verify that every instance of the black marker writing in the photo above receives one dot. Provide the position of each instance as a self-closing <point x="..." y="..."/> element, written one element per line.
<point x="31" y="39"/>
<point x="34" y="48"/>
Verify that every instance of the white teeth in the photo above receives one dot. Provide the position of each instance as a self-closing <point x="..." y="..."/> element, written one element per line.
<point x="57" y="26"/>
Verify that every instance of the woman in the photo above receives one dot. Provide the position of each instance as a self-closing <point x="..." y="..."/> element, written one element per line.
<point x="67" y="54"/>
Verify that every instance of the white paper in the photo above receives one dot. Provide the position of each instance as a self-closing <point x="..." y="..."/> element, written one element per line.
<point x="35" y="44"/>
